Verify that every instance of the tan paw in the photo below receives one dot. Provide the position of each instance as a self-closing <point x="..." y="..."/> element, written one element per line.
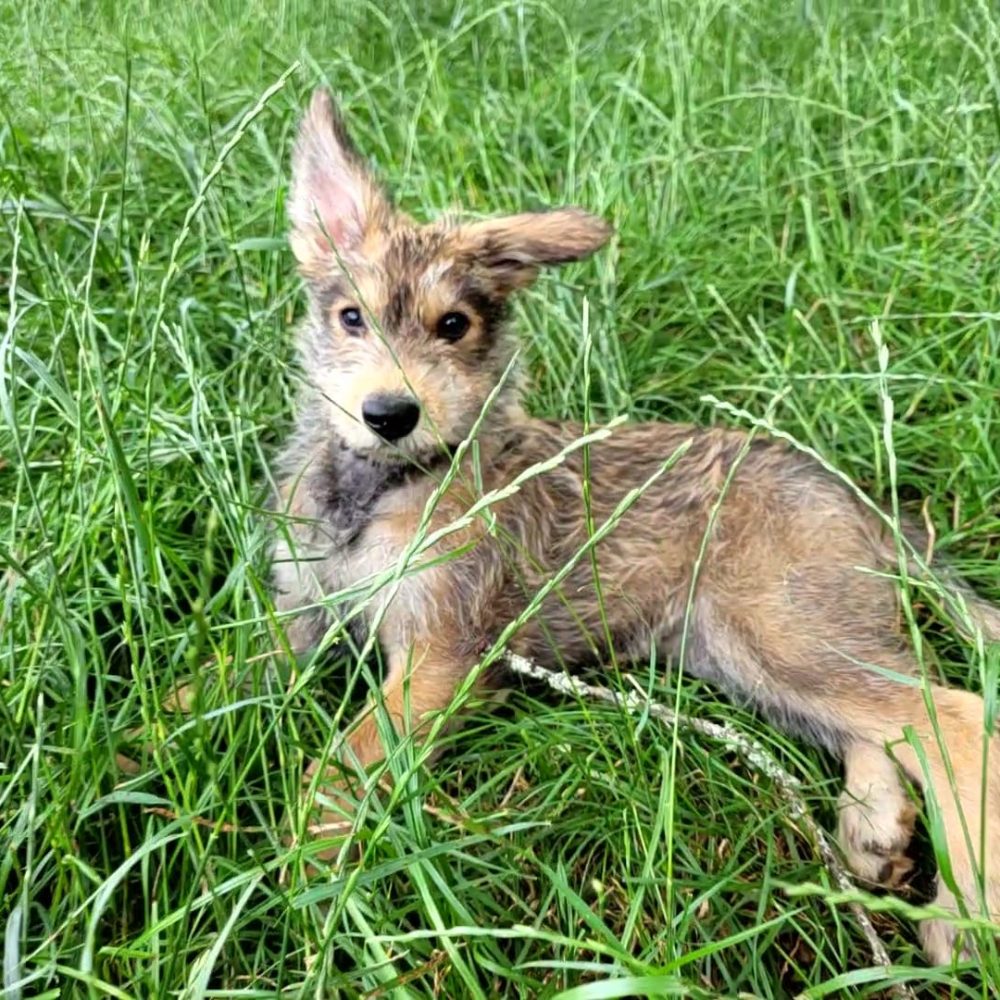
<point x="874" y="835"/>
<point x="943" y="942"/>
<point x="939" y="937"/>
<point x="330" y="819"/>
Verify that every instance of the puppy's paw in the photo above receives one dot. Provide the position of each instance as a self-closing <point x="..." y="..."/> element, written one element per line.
<point x="329" y="811"/>
<point x="874" y="835"/>
<point x="941" y="939"/>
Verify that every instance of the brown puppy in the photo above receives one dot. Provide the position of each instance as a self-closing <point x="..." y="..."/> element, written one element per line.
<point x="793" y="609"/>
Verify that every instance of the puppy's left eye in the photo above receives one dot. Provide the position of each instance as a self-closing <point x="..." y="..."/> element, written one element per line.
<point x="352" y="320"/>
<point x="452" y="326"/>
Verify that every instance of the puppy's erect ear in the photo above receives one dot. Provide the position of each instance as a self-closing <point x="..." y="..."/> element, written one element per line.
<point x="513" y="248"/>
<point x="333" y="200"/>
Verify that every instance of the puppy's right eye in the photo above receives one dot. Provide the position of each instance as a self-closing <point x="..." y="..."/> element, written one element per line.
<point x="352" y="320"/>
<point x="452" y="326"/>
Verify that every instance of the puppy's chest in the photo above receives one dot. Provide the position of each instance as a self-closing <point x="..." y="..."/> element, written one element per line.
<point x="381" y="544"/>
<point x="351" y="496"/>
<point x="377" y="534"/>
<point x="370" y="532"/>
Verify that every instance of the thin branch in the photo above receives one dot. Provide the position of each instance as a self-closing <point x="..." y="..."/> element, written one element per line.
<point x="755" y="756"/>
<point x="210" y="824"/>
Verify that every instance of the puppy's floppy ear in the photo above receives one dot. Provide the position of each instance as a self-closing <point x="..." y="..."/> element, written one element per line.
<point x="333" y="200"/>
<point x="514" y="247"/>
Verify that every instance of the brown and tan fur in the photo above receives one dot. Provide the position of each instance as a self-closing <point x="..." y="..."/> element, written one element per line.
<point x="787" y="615"/>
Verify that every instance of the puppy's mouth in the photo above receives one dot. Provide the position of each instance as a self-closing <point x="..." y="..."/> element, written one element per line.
<point x="407" y="452"/>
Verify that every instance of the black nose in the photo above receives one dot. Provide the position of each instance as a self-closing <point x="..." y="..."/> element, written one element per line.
<point x="391" y="417"/>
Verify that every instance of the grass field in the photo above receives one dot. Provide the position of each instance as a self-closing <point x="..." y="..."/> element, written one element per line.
<point x="780" y="174"/>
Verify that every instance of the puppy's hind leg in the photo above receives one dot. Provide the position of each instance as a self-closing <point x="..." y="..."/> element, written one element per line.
<point x="776" y="670"/>
<point x="836" y="681"/>
<point x="875" y="816"/>
<point x="938" y="737"/>
<point x="956" y="761"/>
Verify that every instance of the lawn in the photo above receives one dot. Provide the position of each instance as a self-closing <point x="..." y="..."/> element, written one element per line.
<point x="789" y="182"/>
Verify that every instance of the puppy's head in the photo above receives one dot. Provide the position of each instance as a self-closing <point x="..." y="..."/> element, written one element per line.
<point x="406" y="336"/>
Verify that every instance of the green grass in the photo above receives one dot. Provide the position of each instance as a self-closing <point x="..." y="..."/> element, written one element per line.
<point x="780" y="175"/>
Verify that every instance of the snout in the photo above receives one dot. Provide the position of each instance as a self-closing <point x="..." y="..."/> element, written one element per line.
<point x="391" y="417"/>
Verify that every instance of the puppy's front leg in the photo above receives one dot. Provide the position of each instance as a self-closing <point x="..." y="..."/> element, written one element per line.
<point x="422" y="681"/>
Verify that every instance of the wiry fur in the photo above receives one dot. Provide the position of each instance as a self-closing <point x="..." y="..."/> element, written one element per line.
<point x="787" y="614"/>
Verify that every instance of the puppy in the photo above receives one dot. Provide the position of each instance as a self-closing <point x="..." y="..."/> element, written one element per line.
<point x="792" y="608"/>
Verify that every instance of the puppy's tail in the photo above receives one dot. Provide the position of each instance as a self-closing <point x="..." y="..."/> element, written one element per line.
<point x="971" y="609"/>
<point x="968" y="612"/>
